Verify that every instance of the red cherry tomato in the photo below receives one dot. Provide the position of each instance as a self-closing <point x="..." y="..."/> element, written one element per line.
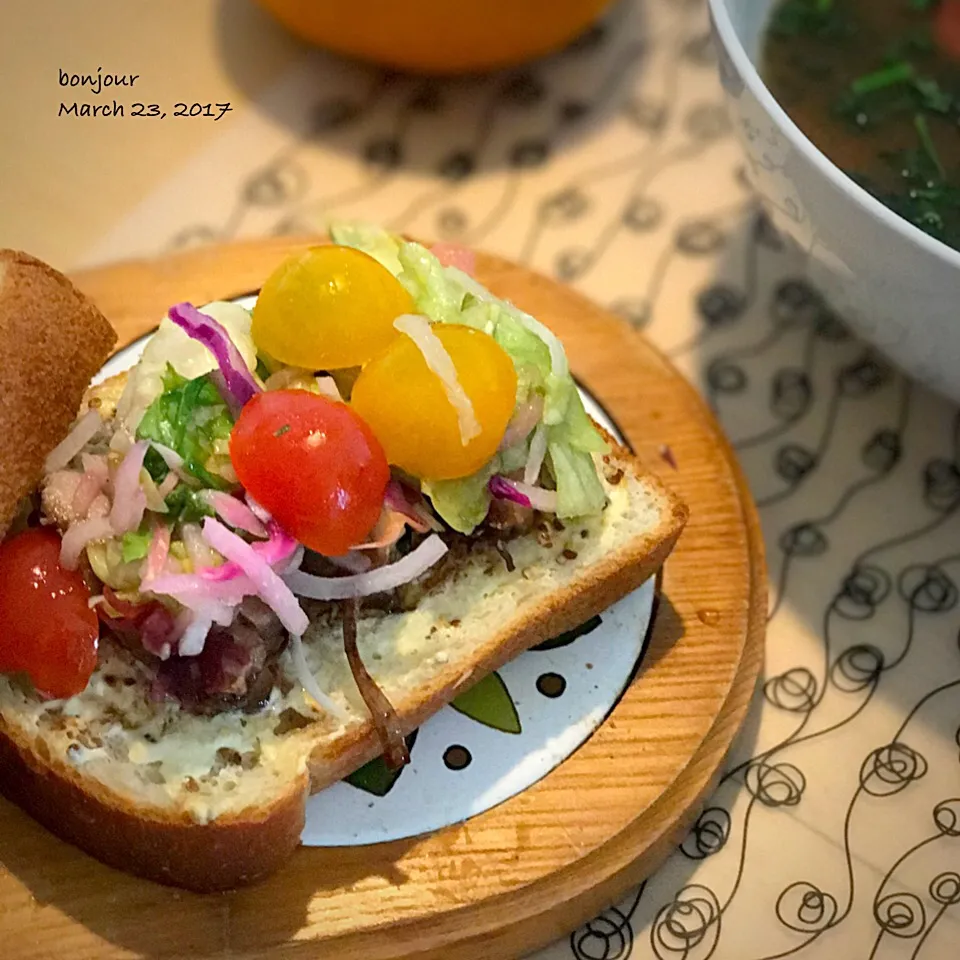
<point x="947" y="28"/>
<point x="48" y="630"/>
<point x="314" y="465"/>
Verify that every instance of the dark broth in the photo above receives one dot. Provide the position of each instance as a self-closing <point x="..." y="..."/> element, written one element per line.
<point x="867" y="83"/>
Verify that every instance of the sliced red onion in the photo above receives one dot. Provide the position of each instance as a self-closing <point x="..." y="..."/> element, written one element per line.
<point x="87" y="490"/>
<point x="79" y="535"/>
<point x="100" y="508"/>
<point x="180" y="624"/>
<point x="82" y="433"/>
<point x="379" y="580"/>
<point x="540" y="499"/>
<point x="309" y="682"/>
<point x="171" y="458"/>
<point x="192" y="590"/>
<point x="96" y="475"/>
<point x="524" y="420"/>
<point x="168" y="484"/>
<point x="523" y="494"/>
<point x="235" y="513"/>
<point x="426" y="517"/>
<point x="295" y="561"/>
<point x="220" y="574"/>
<point x="229" y="398"/>
<point x="239" y="382"/>
<point x="121" y="442"/>
<point x="388" y="530"/>
<point x="158" y="553"/>
<point x="259" y="512"/>
<point x="538" y="450"/>
<point x="412" y="506"/>
<point x="503" y="490"/>
<point x="154" y="498"/>
<point x="351" y="562"/>
<point x="281" y="550"/>
<point x="195" y="636"/>
<point x="200" y="554"/>
<point x="96" y="465"/>
<point x="129" y="501"/>
<point x="395" y="496"/>
<point x="454" y="255"/>
<point x="269" y="587"/>
<point x="216" y="600"/>
<point x="280" y="547"/>
<point x="418" y="329"/>
<point x="393" y="522"/>
<point x="220" y="612"/>
<point x="329" y="389"/>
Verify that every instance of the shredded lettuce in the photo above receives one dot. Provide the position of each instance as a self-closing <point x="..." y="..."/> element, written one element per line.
<point x="579" y="490"/>
<point x="369" y="238"/>
<point x="190" y="417"/>
<point x="436" y="294"/>
<point x="463" y="503"/>
<point x="530" y="355"/>
<point x="577" y="430"/>
<point x="514" y="458"/>
<point x="447" y="295"/>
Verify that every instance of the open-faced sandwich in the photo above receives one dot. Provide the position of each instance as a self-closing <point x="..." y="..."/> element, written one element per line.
<point x="282" y="541"/>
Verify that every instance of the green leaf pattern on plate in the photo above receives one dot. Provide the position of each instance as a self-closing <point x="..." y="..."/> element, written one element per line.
<point x="376" y="777"/>
<point x="489" y="702"/>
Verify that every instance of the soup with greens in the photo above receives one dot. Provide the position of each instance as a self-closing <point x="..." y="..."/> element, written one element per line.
<point x="875" y="84"/>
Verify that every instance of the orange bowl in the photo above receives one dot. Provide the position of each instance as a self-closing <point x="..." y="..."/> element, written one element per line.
<point x="438" y="36"/>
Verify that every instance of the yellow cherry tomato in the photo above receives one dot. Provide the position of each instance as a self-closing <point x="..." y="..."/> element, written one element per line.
<point x="328" y="308"/>
<point x="406" y="406"/>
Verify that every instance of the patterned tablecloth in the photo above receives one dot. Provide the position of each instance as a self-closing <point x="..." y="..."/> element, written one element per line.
<point x="836" y="829"/>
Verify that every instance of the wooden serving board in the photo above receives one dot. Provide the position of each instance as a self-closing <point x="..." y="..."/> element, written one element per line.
<point x="528" y="871"/>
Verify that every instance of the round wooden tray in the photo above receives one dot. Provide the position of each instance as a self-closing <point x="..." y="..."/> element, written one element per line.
<point x="530" y="870"/>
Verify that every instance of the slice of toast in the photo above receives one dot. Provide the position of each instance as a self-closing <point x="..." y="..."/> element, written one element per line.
<point x="210" y="803"/>
<point x="55" y="340"/>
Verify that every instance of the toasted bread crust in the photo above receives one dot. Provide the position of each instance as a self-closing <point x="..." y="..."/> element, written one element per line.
<point x="206" y="858"/>
<point x="58" y="340"/>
